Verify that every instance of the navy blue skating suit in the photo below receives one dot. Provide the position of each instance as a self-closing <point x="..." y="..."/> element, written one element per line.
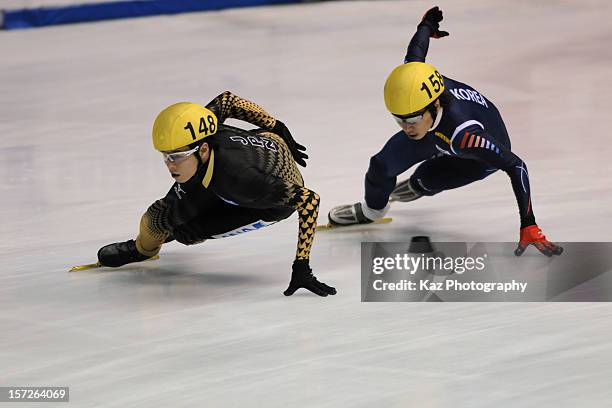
<point x="468" y="142"/>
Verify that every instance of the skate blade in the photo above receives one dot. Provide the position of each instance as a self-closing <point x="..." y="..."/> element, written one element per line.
<point x="328" y="226"/>
<point x="85" y="267"/>
<point x="99" y="265"/>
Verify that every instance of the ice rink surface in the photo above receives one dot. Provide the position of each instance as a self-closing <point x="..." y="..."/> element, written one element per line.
<point x="208" y="326"/>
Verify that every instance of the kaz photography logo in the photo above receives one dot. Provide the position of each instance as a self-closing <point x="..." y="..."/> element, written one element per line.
<point x="436" y="264"/>
<point x="420" y="270"/>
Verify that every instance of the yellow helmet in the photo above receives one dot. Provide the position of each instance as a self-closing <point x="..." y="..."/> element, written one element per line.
<point x="182" y="124"/>
<point x="411" y="87"/>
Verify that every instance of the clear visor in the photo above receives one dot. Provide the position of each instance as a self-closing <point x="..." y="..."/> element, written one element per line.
<point x="176" y="157"/>
<point x="411" y="119"/>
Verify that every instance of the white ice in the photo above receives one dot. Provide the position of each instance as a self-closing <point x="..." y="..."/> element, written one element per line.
<point x="208" y="326"/>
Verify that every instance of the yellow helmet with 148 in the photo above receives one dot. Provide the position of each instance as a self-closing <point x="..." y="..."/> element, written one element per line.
<point x="182" y="124"/>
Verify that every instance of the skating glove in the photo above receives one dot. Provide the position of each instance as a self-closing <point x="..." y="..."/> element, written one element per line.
<point x="302" y="277"/>
<point x="432" y="19"/>
<point x="296" y="149"/>
<point x="532" y="235"/>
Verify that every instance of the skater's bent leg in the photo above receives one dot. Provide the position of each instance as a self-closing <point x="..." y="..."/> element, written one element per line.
<point x="446" y="173"/>
<point x="379" y="183"/>
<point x="398" y="155"/>
<point x="154" y="229"/>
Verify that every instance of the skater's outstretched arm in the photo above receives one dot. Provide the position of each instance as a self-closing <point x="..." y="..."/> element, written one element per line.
<point x="429" y="27"/>
<point x="227" y="105"/>
<point x="474" y="142"/>
<point x="306" y="202"/>
<point x="269" y="191"/>
<point x="279" y="184"/>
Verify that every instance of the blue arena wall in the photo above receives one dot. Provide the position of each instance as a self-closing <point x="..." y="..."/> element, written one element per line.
<point x="46" y="16"/>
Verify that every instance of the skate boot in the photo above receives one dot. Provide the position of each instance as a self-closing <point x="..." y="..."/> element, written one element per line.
<point x="120" y="253"/>
<point x="348" y="214"/>
<point x="404" y="192"/>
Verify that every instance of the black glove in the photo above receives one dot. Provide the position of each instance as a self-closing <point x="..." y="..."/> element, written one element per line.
<point x="296" y="149"/>
<point x="302" y="277"/>
<point x="432" y="19"/>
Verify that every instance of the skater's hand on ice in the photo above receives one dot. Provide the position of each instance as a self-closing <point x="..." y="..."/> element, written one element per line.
<point x="302" y="277"/>
<point x="532" y="235"/>
<point x="296" y="149"/>
<point x="432" y="19"/>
